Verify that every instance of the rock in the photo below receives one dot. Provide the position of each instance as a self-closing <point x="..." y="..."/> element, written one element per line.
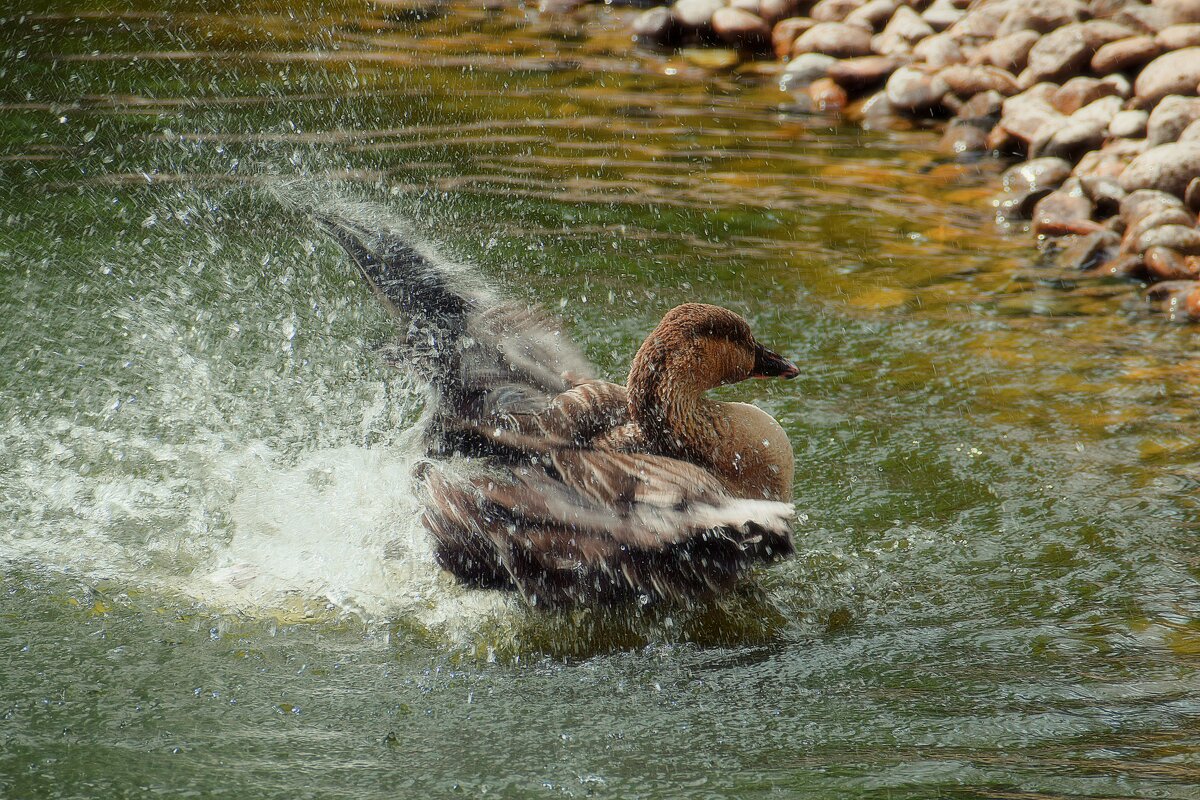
<point x="741" y="28"/>
<point x="1017" y="205"/>
<point x="1064" y="211"/>
<point x="983" y="106"/>
<point x="857" y="74"/>
<point x="1173" y="73"/>
<point x="942" y="14"/>
<point x="1088" y="251"/>
<point x="804" y="69"/>
<point x="966" y="81"/>
<point x="1125" y="54"/>
<point x="657" y="26"/>
<point x="1180" y="238"/>
<point x="1106" y="9"/>
<point x="1144" y="19"/>
<point x="962" y="137"/>
<point x="1153" y="212"/>
<point x="1128" y="125"/>
<point x="1001" y="142"/>
<point x="1179" y="11"/>
<point x="912" y="90"/>
<point x="1170" y="117"/>
<point x="951" y="104"/>
<point x="770" y="11"/>
<point x="1177" y="37"/>
<point x="874" y="14"/>
<point x="1027" y="113"/>
<point x="1191" y="133"/>
<point x="1037" y="173"/>
<point x="969" y="131"/>
<point x="774" y="11"/>
<point x="1099" y="164"/>
<point x="1191" y="196"/>
<point x="834" y="10"/>
<point x="1126" y="266"/>
<point x="939" y="50"/>
<point x="1155" y="218"/>
<point x="1168" y="167"/>
<point x="1026" y="184"/>
<point x="1111" y="159"/>
<point x="982" y="21"/>
<point x="835" y="39"/>
<point x="1143" y="203"/>
<point x="1079" y="92"/>
<point x="826" y="95"/>
<point x="1066" y="51"/>
<point x="696" y="14"/>
<point x="1009" y="53"/>
<point x="876" y="107"/>
<point x="1082" y="131"/>
<point x="1165" y="264"/>
<point x="1104" y="192"/>
<point x="905" y="29"/>
<point x="1042" y="16"/>
<point x="1121" y="85"/>
<point x="785" y="33"/>
<point x="1180" y="299"/>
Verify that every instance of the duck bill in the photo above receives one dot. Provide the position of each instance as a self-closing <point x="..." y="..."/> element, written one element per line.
<point x="768" y="364"/>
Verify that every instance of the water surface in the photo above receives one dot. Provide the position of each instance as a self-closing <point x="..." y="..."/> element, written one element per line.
<point x="213" y="582"/>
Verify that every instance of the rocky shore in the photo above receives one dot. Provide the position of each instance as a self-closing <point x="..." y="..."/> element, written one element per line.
<point x="1097" y="100"/>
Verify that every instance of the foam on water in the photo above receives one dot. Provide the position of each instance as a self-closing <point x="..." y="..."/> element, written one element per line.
<point x="342" y="525"/>
<point x="242" y="526"/>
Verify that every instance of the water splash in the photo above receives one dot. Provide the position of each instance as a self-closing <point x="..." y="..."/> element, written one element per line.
<point x="243" y="527"/>
<point x="341" y="526"/>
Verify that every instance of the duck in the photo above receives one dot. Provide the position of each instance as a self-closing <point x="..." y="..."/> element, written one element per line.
<point x="540" y="478"/>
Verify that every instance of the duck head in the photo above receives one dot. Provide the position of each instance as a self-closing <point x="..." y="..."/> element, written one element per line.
<point x="695" y="348"/>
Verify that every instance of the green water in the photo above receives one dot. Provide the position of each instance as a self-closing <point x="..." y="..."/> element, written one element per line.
<point x="211" y="578"/>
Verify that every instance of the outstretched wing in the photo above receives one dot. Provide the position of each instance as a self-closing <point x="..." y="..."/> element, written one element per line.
<point x="483" y="355"/>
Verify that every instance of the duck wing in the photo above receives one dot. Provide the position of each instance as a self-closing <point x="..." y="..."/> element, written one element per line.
<point x="584" y="526"/>
<point x="484" y="356"/>
<point x="578" y="417"/>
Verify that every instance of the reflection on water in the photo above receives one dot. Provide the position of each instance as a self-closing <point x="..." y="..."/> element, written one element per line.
<point x="213" y="574"/>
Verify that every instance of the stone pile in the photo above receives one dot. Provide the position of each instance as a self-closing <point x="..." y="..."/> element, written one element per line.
<point x="1100" y="98"/>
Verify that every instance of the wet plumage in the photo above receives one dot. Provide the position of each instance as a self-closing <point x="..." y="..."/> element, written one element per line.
<point x="569" y="489"/>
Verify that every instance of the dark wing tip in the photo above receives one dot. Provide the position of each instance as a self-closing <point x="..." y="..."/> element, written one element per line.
<point x="354" y="239"/>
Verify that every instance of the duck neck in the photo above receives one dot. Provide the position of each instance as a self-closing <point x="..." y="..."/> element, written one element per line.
<point x="666" y="401"/>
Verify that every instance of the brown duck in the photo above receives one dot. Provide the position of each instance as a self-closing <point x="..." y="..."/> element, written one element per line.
<point x="569" y="489"/>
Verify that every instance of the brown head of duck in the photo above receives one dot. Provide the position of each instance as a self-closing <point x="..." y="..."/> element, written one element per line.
<point x="697" y="347"/>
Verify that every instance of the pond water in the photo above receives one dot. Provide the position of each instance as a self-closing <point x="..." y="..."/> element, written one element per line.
<point x="212" y="581"/>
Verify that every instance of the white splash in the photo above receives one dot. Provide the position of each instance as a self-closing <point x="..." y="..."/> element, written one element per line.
<point x="239" y="526"/>
<point x="341" y="525"/>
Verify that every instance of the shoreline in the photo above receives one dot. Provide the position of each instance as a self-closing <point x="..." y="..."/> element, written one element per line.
<point x="1095" y="104"/>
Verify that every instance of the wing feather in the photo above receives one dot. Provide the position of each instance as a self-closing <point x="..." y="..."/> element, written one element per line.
<point x="562" y="540"/>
